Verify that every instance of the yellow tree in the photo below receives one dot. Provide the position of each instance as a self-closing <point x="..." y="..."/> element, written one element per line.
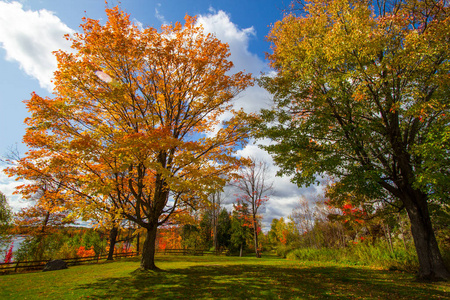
<point x="138" y="113"/>
<point x="361" y="94"/>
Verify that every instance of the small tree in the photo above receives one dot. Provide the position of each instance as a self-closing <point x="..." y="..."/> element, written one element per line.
<point x="240" y="226"/>
<point x="254" y="190"/>
<point x="5" y="212"/>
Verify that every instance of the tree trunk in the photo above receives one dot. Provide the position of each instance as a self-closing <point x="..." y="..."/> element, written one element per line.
<point x="387" y="234"/>
<point x="112" y="242"/>
<point x="138" y="241"/>
<point x="431" y="264"/>
<point x="240" y="250"/>
<point x="400" y="222"/>
<point x="215" y="241"/>
<point x="255" y="234"/>
<point x="148" y="250"/>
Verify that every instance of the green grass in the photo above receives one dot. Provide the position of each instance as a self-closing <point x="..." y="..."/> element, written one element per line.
<point x="361" y="254"/>
<point x="210" y="277"/>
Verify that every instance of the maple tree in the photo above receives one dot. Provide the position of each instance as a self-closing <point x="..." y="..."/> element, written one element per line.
<point x="52" y="180"/>
<point x="360" y="93"/>
<point x="136" y="115"/>
<point x="83" y="252"/>
<point x="251" y="182"/>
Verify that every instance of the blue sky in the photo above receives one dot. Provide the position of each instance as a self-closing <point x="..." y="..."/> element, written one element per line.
<point x="31" y="29"/>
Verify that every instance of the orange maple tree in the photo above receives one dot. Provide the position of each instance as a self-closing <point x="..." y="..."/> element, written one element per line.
<point x="45" y="185"/>
<point x="137" y="113"/>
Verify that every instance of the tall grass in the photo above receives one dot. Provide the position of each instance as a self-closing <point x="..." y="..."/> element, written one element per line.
<point x="378" y="255"/>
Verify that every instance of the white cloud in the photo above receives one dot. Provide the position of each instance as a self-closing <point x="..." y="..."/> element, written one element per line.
<point x="219" y="23"/>
<point x="29" y="37"/>
<point x="285" y="193"/>
<point x="7" y="187"/>
<point x="159" y="16"/>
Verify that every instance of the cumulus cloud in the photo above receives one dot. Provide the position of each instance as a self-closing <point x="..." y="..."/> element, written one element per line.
<point x="285" y="194"/>
<point x="219" y="23"/>
<point x="29" y="37"/>
<point x="238" y="39"/>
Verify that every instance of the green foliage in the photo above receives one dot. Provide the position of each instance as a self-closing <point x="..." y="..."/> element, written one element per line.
<point x="241" y="234"/>
<point x="366" y="254"/>
<point x="191" y="237"/>
<point x="224" y="229"/>
<point x="61" y="244"/>
<point x="362" y="96"/>
<point x="433" y="175"/>
<point x="5" y="220"/>
<point x="206" y="230"/>
<point x="283" y="250"/>
<point x="5" y="212"/>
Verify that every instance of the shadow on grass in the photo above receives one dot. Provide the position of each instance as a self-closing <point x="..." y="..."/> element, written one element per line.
<point x="263" y="282"/>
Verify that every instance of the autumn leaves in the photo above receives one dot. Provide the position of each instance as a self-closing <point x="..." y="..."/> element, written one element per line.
<point x="128" y="119"/>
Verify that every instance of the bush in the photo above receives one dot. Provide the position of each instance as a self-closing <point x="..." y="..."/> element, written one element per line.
<point x="322" y="254"/>
<point x="284" y="250"/>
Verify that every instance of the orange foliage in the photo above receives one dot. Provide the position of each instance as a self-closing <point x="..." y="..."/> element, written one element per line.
<point x="169" y="238"/>
<point x="133" y="120"/>
<point x="82" y="252"/>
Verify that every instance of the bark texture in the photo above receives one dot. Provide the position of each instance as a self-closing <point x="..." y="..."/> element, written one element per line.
<point x="431" y="264"/>
<point x="149" y="249"/>
<point x="112" y="242"/>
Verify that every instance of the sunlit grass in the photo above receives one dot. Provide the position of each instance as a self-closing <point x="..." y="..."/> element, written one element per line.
<point x="210" y="277"/>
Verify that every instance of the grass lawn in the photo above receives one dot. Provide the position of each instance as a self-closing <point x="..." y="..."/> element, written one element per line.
<point x="211" y="277"/>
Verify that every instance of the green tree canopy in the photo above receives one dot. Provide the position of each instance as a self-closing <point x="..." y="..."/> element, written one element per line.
<point x="362" y="95"/>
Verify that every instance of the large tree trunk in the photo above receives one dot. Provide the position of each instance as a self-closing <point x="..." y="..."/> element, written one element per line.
<point x="149" y="249"/>
<point x="112" y="242"/>
<point x="431" y="264"/>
